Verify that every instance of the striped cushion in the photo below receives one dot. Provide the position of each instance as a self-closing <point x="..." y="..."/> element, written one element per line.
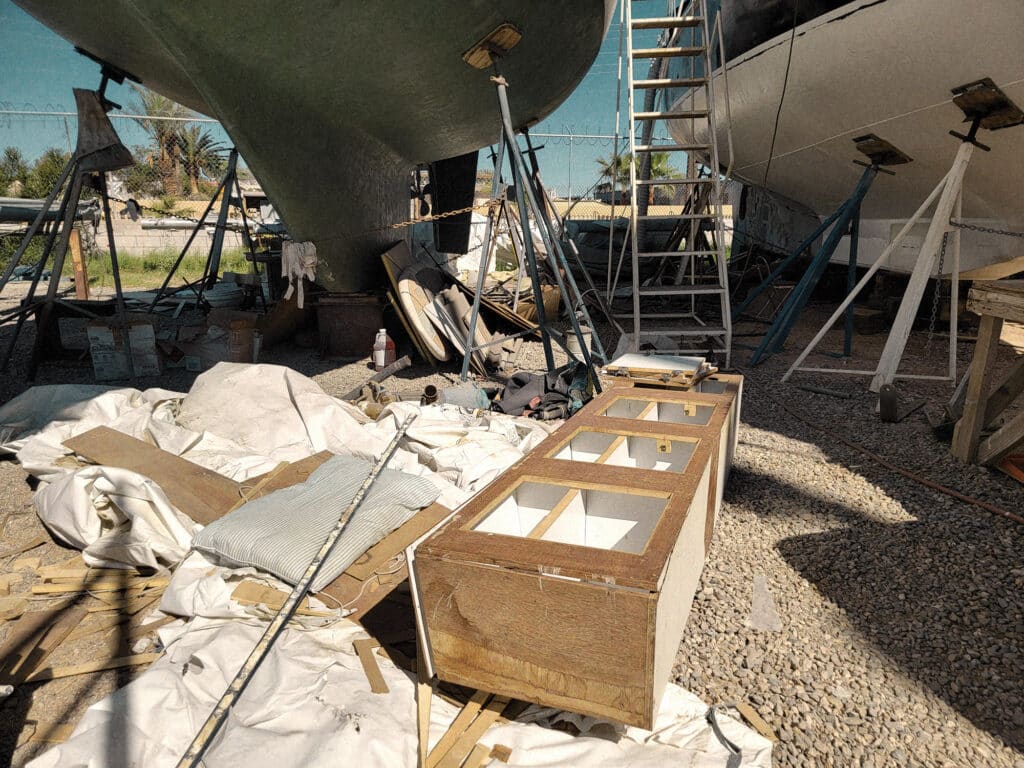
<point x="281" y="533"/>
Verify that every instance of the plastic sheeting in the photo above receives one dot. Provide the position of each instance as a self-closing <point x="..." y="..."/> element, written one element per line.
<point x="310" y="704"/>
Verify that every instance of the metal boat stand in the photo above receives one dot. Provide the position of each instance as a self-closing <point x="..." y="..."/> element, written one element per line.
<point x="528" y="202"/>
<point x="984" y="106"/>
<point x="227" y="190"/>
<point x="845" y="219"/>
<point x="98" y="150"/>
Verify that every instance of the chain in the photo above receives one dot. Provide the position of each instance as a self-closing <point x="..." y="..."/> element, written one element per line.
<point x="938" y="293"/>
<point x="989" y="230"/>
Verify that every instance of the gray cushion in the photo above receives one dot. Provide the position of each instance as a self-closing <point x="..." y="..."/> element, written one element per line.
<point x="281" y="533"/>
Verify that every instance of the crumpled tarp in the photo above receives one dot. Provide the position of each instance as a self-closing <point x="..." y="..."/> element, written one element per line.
<point x="239" y="420"/>
<point x="310" y="704"/>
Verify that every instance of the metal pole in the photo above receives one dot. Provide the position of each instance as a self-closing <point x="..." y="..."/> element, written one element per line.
<point x="485" y="259"/>
<point x="122" y="310"/>
<point x="851" y="281"/>
<point x="31" y="232"/>
<point x="213" y="263"/>
<point x="194" y="754"/>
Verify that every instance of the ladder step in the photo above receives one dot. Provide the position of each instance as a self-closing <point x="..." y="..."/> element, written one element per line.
<point x="668" y="330"/>
<point x="672" y="148"/>
<point x="667" y="82"/>
<point x="676" y="217"/>
<point x="684" y="115"/>
<point x="664" y="53"/>
<point x="663" y="254"/>
<point x="679" y="290"/>
<point x="676" y="182"/>
<point x="668" y="22"/>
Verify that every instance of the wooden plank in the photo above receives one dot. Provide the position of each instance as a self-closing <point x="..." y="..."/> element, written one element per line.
<point x="1000" y="444"/>
<point x="968" y="428"/>
<point x="93" y="666"/>
<point x="1005" y="392"/>
<point x="377" y="556"/>
<point x="479" y="757"/>
<point x="466" y="743"/>
<point x="49" y="733"/>
<point x="1000" y="298"/>
<point x="416" y="342"/>
<point x="78" y="264"/>
<point x="457" y="728"/>
<point x="198" y="492"/>
<point x="501" y="752"/>
<point x="556" y="511"/>
<point x="756" y="721"/>
<point x="364" y="650"/>
<point x="37" y="541"/>
<point x="250" y="490"/>
<point x="252" y="593"/>
<point x="1013" y="466"/>
<point x="295" y="473"/>
<point x="86" y="585"/>
<point x="33" y="639"/>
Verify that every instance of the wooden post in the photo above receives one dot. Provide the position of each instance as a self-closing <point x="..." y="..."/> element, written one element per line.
<point x="968" y="429"/>
<point x="81" y="276"/>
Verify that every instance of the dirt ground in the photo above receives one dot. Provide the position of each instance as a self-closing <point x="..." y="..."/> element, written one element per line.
<point x="900" y="609"/>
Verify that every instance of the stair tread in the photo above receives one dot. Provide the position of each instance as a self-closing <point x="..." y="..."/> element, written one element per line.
<point x="667" y="22"/>
<point x="671" y="147"/>
<point x="667" y="52"/>
<point x="686" y="115"/>
<point x="681" y="82"/>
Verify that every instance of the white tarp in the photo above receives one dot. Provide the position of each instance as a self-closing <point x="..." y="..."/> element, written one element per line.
<point x="238" y="420"/>
<point x="310" y="705"/>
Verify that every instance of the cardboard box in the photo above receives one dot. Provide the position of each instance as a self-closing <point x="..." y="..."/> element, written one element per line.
<point x="109" y="358"/>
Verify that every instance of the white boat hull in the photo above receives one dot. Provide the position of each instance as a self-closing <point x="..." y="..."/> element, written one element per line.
<point x="885" y="68"/>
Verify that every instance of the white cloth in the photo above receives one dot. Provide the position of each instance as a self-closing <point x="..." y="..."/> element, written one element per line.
<point x="298" y="260"/>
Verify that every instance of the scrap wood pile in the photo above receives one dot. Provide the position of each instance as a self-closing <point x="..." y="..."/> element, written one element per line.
<point x="192" y="519"/>
<point x="435" y="309"/>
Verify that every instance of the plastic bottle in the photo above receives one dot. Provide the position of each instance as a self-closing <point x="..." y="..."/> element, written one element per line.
<point x="383" y="350"/>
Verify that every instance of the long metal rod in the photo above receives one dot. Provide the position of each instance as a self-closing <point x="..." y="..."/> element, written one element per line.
<point x="217" y="246"/>
<point x="615" y="152"/>
<point x="188" y="244"/>
<point x="31" y="232"/>
<point x="485" y="261"/>
<point x="115" y="270"/>
<point x="194" y="754"/>
<point x="851" y="281"/>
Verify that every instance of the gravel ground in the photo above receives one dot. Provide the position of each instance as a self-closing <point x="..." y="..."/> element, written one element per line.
<point x="900" y="611"/>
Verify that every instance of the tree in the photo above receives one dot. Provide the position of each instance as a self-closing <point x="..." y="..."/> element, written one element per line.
<point x="13" y="168"/>
<point x="199" y="155"/>
<point x="164" y="132"/>
<point x="45" y="173"/>
<point x="615" y="169"/>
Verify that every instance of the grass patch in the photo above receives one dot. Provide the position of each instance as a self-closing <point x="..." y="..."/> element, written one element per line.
<point x="149" y="270"/>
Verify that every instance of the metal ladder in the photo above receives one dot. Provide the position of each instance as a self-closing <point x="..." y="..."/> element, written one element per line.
<point x="679" y="301"/>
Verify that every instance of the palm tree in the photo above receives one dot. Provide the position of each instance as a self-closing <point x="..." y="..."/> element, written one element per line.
<point x="164" y="133"/>
<point x="615" y="168"/>
<point x="199" y="155"/>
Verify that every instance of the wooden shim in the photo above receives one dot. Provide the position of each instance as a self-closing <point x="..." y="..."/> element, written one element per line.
<point x="756" y="721"/>
<point x="457" y="728"/>
<point x="252" y="593"/>
<point x="12" y="607"/>
<point x="364" y="649"/>
<point x="101" y="665"/>
<point x="86" y="585"/>
<point x="33" y="639"/>
<point x="467" y="741"/>
<point x="501" y="752"/>
<point x="198" y="492"/>
<point x="479" y="757"/>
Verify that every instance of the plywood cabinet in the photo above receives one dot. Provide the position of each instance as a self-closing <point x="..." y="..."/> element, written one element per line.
<point x="569" y="580"/>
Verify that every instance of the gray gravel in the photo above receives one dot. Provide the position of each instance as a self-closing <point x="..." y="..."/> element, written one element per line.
<point x="901" y="610"/>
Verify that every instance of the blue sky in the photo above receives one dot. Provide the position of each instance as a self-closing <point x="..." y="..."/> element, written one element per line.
<point x="38" y="68"/>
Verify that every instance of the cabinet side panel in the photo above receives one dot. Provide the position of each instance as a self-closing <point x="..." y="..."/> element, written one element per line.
<point x="581" y="647"/>
<point x="680" y="585"/>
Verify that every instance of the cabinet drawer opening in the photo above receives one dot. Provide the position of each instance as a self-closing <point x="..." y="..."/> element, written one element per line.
<point x="661" y="411"/>
<point x="615" y="449"/>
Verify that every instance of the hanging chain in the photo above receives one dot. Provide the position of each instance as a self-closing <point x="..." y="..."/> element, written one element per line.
<point x="989" y="230"/>
<point x="938" y="293"/>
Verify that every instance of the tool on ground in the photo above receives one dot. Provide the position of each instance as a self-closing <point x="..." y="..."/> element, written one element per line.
<point x="399" y="364"/>
<point x="194" y="754"/>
